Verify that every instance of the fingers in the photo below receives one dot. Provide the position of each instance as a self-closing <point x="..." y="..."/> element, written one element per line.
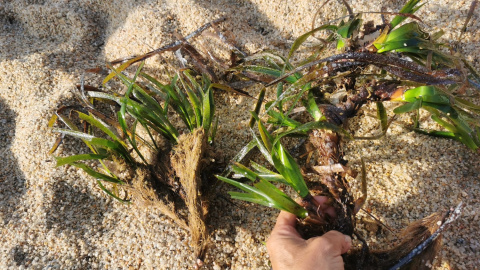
<point x="285" y="226"/>
<point x="286" y="219"/>
<point x="335" y="242"/>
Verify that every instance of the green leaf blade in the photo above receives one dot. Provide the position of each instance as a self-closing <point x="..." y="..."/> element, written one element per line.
<point x="71" y="159"/>
<point x="289" y="169"/>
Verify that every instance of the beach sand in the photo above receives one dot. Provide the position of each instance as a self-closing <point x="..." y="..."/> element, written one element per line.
<point x="58" y="218"/>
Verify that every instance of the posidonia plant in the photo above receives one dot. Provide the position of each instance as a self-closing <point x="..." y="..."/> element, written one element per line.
<point x="171" y="172"/>
<point x="400" y="63"/>
<point x="140" y="152"/>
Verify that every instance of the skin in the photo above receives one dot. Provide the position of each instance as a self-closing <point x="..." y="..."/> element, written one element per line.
<point x="288" y="250"/>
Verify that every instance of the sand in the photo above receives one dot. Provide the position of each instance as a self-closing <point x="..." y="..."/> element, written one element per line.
<point x="57" y="218"/>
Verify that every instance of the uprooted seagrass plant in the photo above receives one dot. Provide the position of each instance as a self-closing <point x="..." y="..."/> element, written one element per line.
<point x="139" y="153"/>
<point x="354" y="65"/>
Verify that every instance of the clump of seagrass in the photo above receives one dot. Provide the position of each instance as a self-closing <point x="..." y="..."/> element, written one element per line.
<point x="133" y="163"/>
<point x="389" y="62"/>
<point x="171" y="180"/>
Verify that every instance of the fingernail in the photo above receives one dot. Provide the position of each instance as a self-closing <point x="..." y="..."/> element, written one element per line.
<point x="348" y="239"/>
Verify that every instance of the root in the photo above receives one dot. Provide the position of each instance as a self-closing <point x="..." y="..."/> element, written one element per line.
<point x="146" y="196"/>
<point x="187" y="162"/>
<point x="412" y="237"/>
<point x="173" y="185"/>
<point x="420" y="240"/>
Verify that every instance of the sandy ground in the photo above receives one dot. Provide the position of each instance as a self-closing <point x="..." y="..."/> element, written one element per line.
<point x="59" y="219"/>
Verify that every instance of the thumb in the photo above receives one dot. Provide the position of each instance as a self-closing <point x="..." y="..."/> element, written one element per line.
<point x="285" y="226"/>
<point x="334" y="243"/>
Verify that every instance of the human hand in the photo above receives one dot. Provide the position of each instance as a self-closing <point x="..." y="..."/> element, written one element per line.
<point x="288" y="250"/>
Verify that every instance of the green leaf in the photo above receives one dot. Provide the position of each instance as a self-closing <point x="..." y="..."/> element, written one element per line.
<point x="268" y="71"/>
<point x="148" y="101"/>
<point x="437" y="99"/>
<point x="312" y="107"/>
<point x="102" y="187"/>
<point x="261" y="169"/>
<point x="345" y="31"/>
<point x="410" y="7"/>
<point x="249" y="197"/>
<point x="160" y="88"/>
<point x="340" y="43"/>
<point x="407" y="31"/>
<point x="67" y="122"/>
<point x="266" y="174"/>
<point x="77" y="134"/>
<point x="114" y="146"/>
<point x="427" y="93"/>
<point x="468" y="104"/>
<point x="382" y="115"/>
<point x="289" y="169"/>
<point x="279" y="94"/>
<point x="439" y="105"/>
<point x="229" y="89"/>
<point x="246" y="172"/>
<point x="214" y="131"/>
<point x="241" y="154"/>
<point x="280" y="200"/>
<point x="67" y="160"/>
<point x="408" y="107"/>
<point x="306" y="87"/>
<point x="191" y="108"/>
<point x="193" y="82"/>
<point x="303" y="129"/>
<point x="436" y="133"/>
<point x="410" y="45"/>
<point x="265" y="152"/>
<point x="265" y="194"/>
<point x="144" y="125"/>
<point x="144" y="115"/>
<point x="133" y="141"/>
<point x="102" y="126"/>
<point x="208" y="109"/>
<point x="301" y="39"/>
<point x="264" y="134"/>
<point x="287" y="94"/>
<point x="258" y="106"/>
<point x="194" y="107"/>
<point x="96" y="174"/>
<point x="243" y="187"/>
<point x="444" y="123"/>
<point x="158" y="122"/>
<point x="282" y="120"/>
